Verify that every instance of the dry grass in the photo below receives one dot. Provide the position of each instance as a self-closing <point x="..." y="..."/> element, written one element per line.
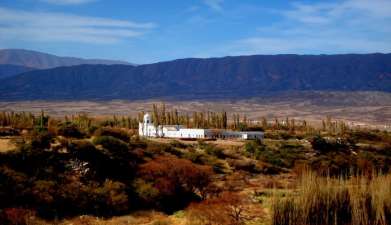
<point x="330" y="201"/>
<point x="137" y="218"/>
<point x="6" y="145"/>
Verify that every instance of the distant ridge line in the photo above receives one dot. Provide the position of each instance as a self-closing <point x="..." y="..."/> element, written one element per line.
<point x="235" y="77"/>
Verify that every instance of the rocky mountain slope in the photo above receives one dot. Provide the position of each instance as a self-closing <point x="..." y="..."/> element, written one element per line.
<point x="237" y="77"/>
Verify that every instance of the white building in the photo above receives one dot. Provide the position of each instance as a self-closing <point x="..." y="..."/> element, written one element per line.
<point x="148" y="129"/>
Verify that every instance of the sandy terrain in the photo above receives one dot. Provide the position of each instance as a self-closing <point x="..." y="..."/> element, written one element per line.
<point x="378" y="115"/>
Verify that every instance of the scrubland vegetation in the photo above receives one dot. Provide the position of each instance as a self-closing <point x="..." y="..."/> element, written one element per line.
<point x="83" y="170"/>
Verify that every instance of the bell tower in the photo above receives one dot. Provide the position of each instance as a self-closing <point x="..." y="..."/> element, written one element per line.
<point x="147" y="119"/>
<point x="146" y="125"/>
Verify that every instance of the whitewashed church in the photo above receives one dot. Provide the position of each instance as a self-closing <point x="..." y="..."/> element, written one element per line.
<point x="148" y="129"/>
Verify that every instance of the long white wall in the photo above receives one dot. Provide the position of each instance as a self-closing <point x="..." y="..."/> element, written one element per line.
<point x="149" y="130"/>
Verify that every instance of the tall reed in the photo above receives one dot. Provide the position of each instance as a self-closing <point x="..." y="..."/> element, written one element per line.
<point x="318" y="200"/>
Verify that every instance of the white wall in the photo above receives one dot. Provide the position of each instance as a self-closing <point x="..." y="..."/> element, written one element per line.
<point x="150" y="130"/>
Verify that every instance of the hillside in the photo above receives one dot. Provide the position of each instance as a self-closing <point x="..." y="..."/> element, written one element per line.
<point x="41" y="60"/>
<point x="8" y="70"/>
<point x="214" y="78"/>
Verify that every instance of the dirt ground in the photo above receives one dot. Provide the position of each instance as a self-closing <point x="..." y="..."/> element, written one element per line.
<point x="218" y="142"/>
<point x="6" y="145"/>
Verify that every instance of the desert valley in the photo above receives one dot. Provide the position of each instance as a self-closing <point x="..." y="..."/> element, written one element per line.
<point x="200" y="112"/>
<point x="80" y="159"/>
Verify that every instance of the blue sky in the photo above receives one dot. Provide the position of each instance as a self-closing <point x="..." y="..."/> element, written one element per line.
<point x="158" y="30"/>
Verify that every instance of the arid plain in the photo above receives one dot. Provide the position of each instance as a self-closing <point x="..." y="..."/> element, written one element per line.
<point x="367" y="109"/>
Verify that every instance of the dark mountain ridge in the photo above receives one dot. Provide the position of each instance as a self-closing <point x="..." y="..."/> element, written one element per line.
<point x="7" y="70"/>
<point x="226" y="78"/>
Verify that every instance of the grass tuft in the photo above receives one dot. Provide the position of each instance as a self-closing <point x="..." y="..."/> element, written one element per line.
<point x="359" y="200"/>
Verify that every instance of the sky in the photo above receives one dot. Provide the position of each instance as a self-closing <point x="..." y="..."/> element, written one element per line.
<point x="149" y="31"/>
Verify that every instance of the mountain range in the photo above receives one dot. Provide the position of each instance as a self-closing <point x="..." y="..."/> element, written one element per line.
<point x="235" y="77"/>
<point x="40" y="60"/>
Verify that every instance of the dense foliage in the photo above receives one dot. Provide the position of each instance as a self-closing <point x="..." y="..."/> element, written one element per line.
<point x="105" y="177"/>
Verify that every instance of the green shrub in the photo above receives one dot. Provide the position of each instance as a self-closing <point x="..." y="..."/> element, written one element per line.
<point x="285" y="135"/>
<point x="71" y="130"/>
<point x="146" y="191"/>
<point x="113" y="132"/>
<point x="215" y="151"/>
<point x="271" y="156"/>
<point x="175" y="151"/>
<point x="92" y="129"/>
<point x="211" y="149"/>
<point x="111" y="144"/>
<point x="366" y="135"/>
<point x="80" y="145"/>
<point x="284" y="155"/>
<point x="277" y="135"/>
<point x="245" y="165"/>
<point x="41" y="139"/>
<point x="178" y="144"/>
<point x="155" y="148"/>
<point x="328" y="145"/>
<point x="334" y="164"/>
<point x="253" y="146"/>
<point x="199" y="157"/>
<point x="112" y="197"/>
<point x="85" y="151"/>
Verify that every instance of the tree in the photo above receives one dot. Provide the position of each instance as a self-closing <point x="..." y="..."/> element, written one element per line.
<point x="225" y="121"/>
<point x="163" y="114"/>
<point x="155" y="115"/>
<point x="170" y="174"/>
<point x="177" y="182"/>
<point x="176" y="119"/>
<point x="264" y="123"/>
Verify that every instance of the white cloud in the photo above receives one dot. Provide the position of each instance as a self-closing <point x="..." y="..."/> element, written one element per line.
<point x="306" y="13"/>
<point x="68" y="2"/>
<point x="350" y="26"/>
<point x="373" y="8"/>
<point x="302" y="45"/>
<point x="46" y="26"/>
<point x="192" y="8"/>
<point x="214" y="4"/>
<point x="331" y="12"/>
